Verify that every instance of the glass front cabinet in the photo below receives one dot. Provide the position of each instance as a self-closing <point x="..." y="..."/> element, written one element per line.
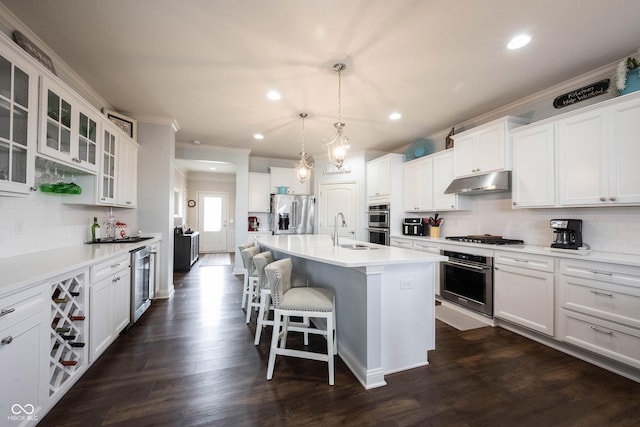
<point x="18" y="122"/>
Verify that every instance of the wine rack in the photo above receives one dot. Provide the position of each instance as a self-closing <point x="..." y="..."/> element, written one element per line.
<point x="68" y="337"/>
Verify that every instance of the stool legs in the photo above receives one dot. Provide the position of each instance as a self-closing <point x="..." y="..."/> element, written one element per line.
<point x="252" y="295"/>
<point x="245" y="287"/>
<point x="263" y="314"/>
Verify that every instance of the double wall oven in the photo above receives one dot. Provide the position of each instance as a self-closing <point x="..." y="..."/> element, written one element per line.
<point x="378" y="224"/>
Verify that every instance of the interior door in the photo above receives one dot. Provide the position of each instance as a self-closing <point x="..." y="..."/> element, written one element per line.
<point x="338" y="197"/>
<point x="213" y="215"/>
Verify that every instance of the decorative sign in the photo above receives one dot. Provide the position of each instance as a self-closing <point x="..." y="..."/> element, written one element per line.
<point x="582" y="94"/>
<point x="127" y="124"/>
<point x="332" y="170"/>
<point x="448" y="142"/>
<point x="33" y="50"/>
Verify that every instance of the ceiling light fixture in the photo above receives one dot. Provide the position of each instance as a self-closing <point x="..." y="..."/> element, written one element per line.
<point x="337" y="147"/>
<point x="258" y="136"/>
<point x="274" y="95"/>
<point x="519" y="41"/>
<point x="303" y="167"/>
<point x="395" y="116"/>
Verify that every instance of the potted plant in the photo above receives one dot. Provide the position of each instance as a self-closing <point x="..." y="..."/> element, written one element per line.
<point x="628" y="76"/>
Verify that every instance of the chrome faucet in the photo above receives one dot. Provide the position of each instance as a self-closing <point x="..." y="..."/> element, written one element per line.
<point x="335" y="228"/>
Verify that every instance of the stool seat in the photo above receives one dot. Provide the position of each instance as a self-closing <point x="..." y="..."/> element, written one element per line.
<point x="307" y="299"/>
<point x="252" y="280"/>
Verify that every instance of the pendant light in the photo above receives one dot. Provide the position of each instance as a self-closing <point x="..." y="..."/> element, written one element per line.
<point x="303" y="167"/>
<point x="337" y="147"/>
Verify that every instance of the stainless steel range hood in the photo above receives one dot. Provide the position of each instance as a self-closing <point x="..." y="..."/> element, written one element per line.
<point x="493" y="182"/>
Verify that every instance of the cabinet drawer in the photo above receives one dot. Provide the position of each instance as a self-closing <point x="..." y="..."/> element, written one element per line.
<point x="611" y="273"/>
<point x="20" y="304"/>
<point x="106" y="268"/>
<point x="426" y="247"/>
<point x="531" y="262"/>
<point x="605" y="300"/>
<point x="608" y="339"/>
<point x="400" y="243"/>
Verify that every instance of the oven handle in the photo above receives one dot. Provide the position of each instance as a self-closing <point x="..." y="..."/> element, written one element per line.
<point x="461" y="264"/>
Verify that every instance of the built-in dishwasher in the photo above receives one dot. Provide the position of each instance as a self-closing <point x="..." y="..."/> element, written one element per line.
<point x="142" y="281"/>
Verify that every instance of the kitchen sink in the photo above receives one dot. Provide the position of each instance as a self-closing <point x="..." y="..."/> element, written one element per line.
<point x="357" y="247"/>
<point x="133" y="239"/>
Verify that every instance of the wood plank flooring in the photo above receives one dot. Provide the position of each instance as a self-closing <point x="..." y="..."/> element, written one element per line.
<point x="190" y="361"/>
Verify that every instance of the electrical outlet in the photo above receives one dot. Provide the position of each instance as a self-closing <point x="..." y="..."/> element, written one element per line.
<point x="405" y="284"/>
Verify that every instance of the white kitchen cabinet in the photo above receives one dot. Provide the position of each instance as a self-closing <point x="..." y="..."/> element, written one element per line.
<point x="127" y="173"/>
<point x="259" y="200"/>
<point x="418" y="185"/>
<point x="68" y="127"/>
<point x="286" y="177"/>
<point x="108" y="171"/>
<point x="19" y="127"/>
<point x="485" y="148"/>
<point x="599" y="309"/>
<point x="110" y="303"/>
<point x="382" y="178"/>
<point x="524" y="290"/>
<point x="24" y="335"/>
<point x="597" y="155"/>
<point x="533" y="177"/>
<point x="429" y="246"/>
<point x="425" y="181"/>
<point x="400" y="242"/>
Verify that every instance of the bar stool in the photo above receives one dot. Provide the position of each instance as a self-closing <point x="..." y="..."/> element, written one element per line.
<point x="299" y="301"/>
<point x="252" y="279"/>
<point x="245" y="273"/>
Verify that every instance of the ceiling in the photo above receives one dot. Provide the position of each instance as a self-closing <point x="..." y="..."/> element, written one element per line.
<point x="209" y="64"/>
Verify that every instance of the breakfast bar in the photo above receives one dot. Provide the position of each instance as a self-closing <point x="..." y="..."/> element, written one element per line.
<point x="385" y="299"/>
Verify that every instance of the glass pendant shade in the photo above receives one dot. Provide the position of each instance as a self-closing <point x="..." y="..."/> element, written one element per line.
<point x="304" y="166"/>
<point x="337" y="148"/>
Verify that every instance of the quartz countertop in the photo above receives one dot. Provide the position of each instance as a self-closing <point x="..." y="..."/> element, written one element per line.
<point x="631" y="260"/>
<point x="320" y="248"/>
<point x="30" y="269"/>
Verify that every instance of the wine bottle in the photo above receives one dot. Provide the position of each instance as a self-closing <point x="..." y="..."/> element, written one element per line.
<point x="77" y="317"/>
<point x="63" y="330"/>
<point x="74" y="293"/>
<point x="60" y="300"/>
<point x="68" y="337"/>
<point x="76" y="344"/>
<point x="95" y="230"/>
<point x="68" y="362"/>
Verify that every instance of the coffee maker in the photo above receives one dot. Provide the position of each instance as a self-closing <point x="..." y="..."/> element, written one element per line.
<point x="568" y="233"/>
<point x="254" y="224"/>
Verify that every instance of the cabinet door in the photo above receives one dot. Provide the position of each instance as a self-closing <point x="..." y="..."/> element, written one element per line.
<point x="18" y="127"/>
<point x="624" y="173"/>
<point x="418" y="185"/>
<point x="259" y="192"/>
<point x="533" y="178"/>
<point x="102" y="308"/>
<point x="582" y="170"/>
<point x="411" y="173"/>
<point x="127" y="173"/>
<point x="280" y="177"/>
<point x="107" y="180"/>
<point x="122" y="300"/>
<point x="442" y="177"/>
<point x="489" y="151"/>
<point x="463" y="155"/>
<point x="525" y="297"/>
<point x="379" y="177"/>
<point x="86" y="139"/>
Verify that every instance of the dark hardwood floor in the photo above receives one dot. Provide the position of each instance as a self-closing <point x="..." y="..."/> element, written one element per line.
<point x="190" y="361"/>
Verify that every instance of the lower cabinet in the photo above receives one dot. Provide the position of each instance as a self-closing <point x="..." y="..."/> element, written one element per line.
<point x="186" y="249"/>
<point x="24" y="335"/>
<point x="110" y="303"/>
<point x="599" y="309"/>
<point x="524" y="290"/>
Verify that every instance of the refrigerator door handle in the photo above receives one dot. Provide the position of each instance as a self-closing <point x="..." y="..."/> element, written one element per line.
<point x="294" y="214"/>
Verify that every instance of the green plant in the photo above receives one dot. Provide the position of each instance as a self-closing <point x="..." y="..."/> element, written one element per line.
<point x="621" y="72"/>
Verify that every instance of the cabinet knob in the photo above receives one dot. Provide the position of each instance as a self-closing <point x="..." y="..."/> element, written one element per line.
<point x="602" y="199"/>
<point x="515" y="204"/>
<point x="7" y="340"/>
<point x="613" y="199"/>
<point x="6" y="311"/>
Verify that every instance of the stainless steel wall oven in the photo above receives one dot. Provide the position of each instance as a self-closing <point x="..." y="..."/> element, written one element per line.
<point x="467" y="280"/>
<point x="379" y="221"/>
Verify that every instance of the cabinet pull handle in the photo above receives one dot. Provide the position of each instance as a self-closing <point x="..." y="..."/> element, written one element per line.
<point x="613" y="199"/>
<point x="606" y="273"/>
<point x="602" y="331"/>
<point x="6" y="311"/>
<point x="114" y="265"/>
<point x="7" y="340"/>
<point x="606" y="294"/>
<point x="602" y="199"/>
<point x="521" y="260"/>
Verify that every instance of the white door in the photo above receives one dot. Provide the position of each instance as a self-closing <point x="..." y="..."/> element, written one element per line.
<point x="338" y="197"/>
<point x="212" y="221"/>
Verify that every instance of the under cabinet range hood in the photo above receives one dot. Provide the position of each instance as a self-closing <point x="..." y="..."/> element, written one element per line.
<point x="493" y="182"/>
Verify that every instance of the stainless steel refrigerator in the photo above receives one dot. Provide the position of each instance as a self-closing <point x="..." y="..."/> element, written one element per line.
<point x="292" y="214"/>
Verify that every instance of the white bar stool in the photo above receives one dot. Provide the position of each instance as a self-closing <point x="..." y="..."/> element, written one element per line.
<point x="316" y="303"/>
<point x="245" y="273"/>
<point x="252" y="279"/>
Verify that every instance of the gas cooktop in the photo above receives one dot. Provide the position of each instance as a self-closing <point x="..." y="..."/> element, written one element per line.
<point x="486" y="239"/>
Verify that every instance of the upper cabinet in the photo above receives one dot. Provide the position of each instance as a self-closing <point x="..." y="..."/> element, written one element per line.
<point x="286" y="177"/>
<point x="485" y="148"/>
<point x="18" y="121"/>
<point x="382" y="174"/>
<point x="127" y="173"/>
<point x="259" y="199"/>
<point x="68" y="127"/>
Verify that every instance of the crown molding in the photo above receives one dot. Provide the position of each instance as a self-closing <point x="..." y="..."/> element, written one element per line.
<point x="156" y="120"/>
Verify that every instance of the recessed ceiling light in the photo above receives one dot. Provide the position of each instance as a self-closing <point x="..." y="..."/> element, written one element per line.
<point x="395" y="116"/>
<point x="274" y="95"/>
<point x="519" y="41"/>
<point x="212" y="169"/>
<point x="258" y="136"/>
<point x="195" y="141"/>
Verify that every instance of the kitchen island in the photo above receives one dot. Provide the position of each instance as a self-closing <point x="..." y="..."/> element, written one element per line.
<point x="385" y="299"/>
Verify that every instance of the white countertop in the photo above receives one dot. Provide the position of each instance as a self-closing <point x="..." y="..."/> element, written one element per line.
<point x="631" y="260"/>
<point x="30" y="269"/>
<point x="320" y="248"/>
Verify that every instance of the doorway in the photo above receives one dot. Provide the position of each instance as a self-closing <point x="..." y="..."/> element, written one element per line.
<point x="213" y="216"/>
<point x="338" y="197"/>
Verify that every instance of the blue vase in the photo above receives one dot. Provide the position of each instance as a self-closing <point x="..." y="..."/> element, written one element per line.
<point x="633" y="81"/>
